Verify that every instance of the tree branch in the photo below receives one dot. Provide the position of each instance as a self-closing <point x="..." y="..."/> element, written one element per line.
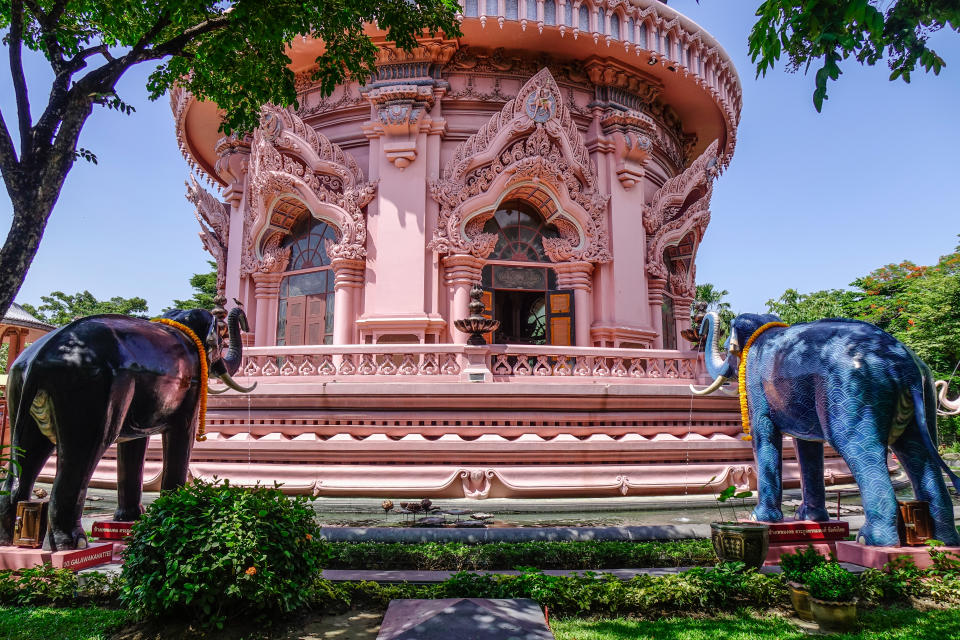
<point x="9" y="163"/>
<point x="16" y="72"/>
<point x="173" y="46"/>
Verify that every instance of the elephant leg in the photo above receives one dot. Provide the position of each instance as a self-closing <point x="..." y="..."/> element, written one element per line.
<point x="810" y="457"/>
<point x="177" y="445"/>
<point x="93" y="419"/>
<point x="130" y="457"/>
<point x="868" y="462"/>
<point x="31" y="449"/>
<point x="768" y="455"/>
<point x="927" y="480"/>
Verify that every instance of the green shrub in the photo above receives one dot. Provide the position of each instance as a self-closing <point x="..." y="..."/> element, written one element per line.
<point x="456" y="556"/>
<point x="796" y="565"/>
<point x="209" y="551"/>
<point x="831" y="582"/>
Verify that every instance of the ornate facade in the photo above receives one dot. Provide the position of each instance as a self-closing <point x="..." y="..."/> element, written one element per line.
<point x="562" y="154"/>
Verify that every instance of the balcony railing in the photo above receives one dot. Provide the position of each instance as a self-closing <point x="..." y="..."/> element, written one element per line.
<point x="644" y="27"/>
<point x="457" y="362"/>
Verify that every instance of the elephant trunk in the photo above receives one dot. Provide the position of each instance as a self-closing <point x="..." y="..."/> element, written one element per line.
<point x="236" y="321"/>
<point x="950" y="407"/>
<point x="720" y="369"/>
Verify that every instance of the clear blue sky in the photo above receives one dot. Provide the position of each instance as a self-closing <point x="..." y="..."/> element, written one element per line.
<point x="811" y="201"/>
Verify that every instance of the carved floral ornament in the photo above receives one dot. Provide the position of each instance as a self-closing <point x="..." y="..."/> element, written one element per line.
<point x="532" y="143"/>
<point x="289" y="157"/>
<point x="668" y="218"/>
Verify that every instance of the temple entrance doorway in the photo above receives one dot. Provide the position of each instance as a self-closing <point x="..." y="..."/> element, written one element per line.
<point x="530" y="308"/>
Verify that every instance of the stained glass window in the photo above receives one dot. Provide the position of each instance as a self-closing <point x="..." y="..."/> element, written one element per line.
<point x="307" y="242"/>
<point x="305" y="309"/>
<point x="550" y="12"/>
<point x="521" y="230"/>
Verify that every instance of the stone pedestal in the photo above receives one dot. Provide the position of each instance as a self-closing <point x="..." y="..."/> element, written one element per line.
<point x="790" y="536"/>
<point x="95" y="554"/>
<point x="876" y="557"/>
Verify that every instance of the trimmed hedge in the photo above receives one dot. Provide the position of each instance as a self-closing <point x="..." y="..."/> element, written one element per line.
<point x="455" y="556"/>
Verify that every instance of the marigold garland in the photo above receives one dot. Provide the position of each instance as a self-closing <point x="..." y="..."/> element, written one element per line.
<point x="201" y="352"/>
<point x="742" y="376"/>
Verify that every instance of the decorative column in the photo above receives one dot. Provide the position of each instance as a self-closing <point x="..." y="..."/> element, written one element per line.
<point x="232" y="165"/>
<point x="681" y="316"/>
<point x="461" y="272"/>
<point x="267" y="293"/>
<point x="655" y="289"/>
<point x="576" y="276"/>
<point x="348" y="279"/>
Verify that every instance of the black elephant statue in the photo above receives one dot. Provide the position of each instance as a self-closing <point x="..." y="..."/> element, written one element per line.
<point x="108" y="379"/>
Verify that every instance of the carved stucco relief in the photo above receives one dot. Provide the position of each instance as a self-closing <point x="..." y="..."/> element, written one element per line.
<point x="669" y="217"/>
<point x="532" y="141"/>
<point x="214" y="218"/>
<point x="289" y="157"/>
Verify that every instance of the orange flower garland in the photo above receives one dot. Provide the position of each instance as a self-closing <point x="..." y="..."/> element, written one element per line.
<point x="742" y="376"/>
<point x="202" y="419"/>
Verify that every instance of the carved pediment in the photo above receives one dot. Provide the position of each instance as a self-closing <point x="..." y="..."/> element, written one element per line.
<point x="533" y="139"/>
<point x="294" y="166"/>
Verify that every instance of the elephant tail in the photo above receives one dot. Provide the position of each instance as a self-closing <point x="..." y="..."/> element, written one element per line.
<point x="925" y="410"/>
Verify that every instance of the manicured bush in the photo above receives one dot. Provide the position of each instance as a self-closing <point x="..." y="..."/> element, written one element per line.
<point x="209" y="550"/>
<point x="698" y="590"/>
<point x="796" y="565"/>
<point x="831" y="582"/>
<point x="455" y="556"/>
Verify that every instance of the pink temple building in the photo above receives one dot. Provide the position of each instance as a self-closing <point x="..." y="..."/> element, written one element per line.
<point x="561" y="153"/>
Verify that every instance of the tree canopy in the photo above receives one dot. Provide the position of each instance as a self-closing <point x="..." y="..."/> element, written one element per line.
<point x="234" y="53"/>
<point x="827" y="32"/>
<point x="204" y="290"/>
<point x="60" y="308"/>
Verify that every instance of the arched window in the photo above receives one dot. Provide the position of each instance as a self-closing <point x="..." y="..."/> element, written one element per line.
<point x="305" y="311"/>
<point x="601" y="21"/>
<point x="531" y="9"/>
<point x="491" y="8"/>
<point x="520" y="230"/>
<point x="583" y="18"/>
<point x="631" y="27"/>
<point x="615" y="26"/>
<point x="471" y="9"/>
<point x="643" y="35"/>
<point x="550" y="12"/>
<point x="512" y="9"/>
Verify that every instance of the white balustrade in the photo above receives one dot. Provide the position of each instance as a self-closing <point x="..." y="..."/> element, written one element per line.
<point x="648" y="27"/>
<point x="450" y="362"/>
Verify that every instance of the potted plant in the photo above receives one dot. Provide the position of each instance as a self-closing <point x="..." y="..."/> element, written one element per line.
<point x="833" y="596"/>
<point x="795" y="567"/>
<point x="738" y="541"/>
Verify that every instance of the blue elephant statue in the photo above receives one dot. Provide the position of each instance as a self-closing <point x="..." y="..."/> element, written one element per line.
<point x="844" y="382"/>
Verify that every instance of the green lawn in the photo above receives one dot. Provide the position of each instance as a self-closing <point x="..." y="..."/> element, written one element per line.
<point x="44" y="623"/>
<point x="891" y="624"/>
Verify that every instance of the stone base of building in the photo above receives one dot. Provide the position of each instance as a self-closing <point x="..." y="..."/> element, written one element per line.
<point x="877" y="557"/>
<point x="466" y="440"/>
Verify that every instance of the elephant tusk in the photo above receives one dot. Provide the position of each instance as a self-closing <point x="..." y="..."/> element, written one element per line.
<point x="950" y="407"/>
<point x="230" y="382"/>
<point x="216" y="392"/>
<point x="713" y="387"/>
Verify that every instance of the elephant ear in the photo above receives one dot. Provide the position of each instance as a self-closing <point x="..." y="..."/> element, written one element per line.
<point x="202" y="323"/>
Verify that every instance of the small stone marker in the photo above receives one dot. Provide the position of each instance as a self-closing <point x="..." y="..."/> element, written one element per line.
<point x="464" y="619"/>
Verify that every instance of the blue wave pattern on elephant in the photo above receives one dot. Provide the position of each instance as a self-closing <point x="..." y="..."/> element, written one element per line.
<point x="102" y="380"/>
<point x="849" y="384"/>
